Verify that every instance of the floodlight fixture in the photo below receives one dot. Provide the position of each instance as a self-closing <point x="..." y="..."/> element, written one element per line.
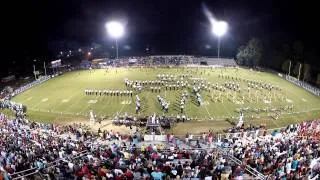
<point x="219" y="28"/>
<point x="115" y="29"/>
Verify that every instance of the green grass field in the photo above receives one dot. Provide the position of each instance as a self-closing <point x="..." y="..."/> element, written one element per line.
<point x="63" y="99"/>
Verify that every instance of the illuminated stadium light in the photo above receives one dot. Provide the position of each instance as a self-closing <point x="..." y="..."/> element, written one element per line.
<point x="89" y="53"/>
<point x="219" y="28"/>
<point x="115" y="30"/>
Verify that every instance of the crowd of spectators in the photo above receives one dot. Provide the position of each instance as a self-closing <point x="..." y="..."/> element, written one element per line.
<point x="168" y="60"/>
<point x="14" y="107"/>
<point x="72" y="152"/>
<point x="48" y="151"/>
<point x="28" y="145"/>
<point x="243" y="128"/>
<point x="289" y="153"/>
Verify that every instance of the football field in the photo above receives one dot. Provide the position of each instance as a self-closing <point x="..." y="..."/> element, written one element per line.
<point x="63" y="98"/>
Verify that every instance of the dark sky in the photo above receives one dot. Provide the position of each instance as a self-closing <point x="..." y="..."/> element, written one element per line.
<point x="41" y="28"/>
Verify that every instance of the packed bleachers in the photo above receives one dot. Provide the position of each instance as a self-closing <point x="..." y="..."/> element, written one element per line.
<point x="46" y="151"/>
<point x="218" y="61"/>
<point x="162" y="60"/>
<point x="292" y="152"/>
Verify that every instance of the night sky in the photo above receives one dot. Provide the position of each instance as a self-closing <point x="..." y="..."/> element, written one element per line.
<point x="41" y="29"/>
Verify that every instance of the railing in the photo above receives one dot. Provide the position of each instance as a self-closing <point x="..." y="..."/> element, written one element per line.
<point x="21" y="174"/>
<point x="30" y="85"/>
<point x="225" y="152"/>
<point x="249" y="169"/>
<point x="304" y="85"/>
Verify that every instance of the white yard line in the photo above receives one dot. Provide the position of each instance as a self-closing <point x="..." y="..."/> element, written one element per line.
<point x="69" y="98"/>
<point x="205" y="107"/>
<point x="119" y="112"/>
<point x="106" y="103"/>
<point x="225" y="107"/>
<point x="37" y="104"/>
<point x="49" y="97"/>
<point x="47" y="111"/>
<point x="87" y="106"/>
<point x="73" y="102"/>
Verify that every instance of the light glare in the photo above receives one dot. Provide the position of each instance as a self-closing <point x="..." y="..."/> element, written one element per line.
<point x="115" y="29"/>
<point x="219" y="28"/>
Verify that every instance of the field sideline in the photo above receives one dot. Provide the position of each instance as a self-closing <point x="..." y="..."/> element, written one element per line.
<point x="63" y="99"/>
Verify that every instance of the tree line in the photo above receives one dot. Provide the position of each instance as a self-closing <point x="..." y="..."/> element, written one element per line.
<point x="290" y="58"/>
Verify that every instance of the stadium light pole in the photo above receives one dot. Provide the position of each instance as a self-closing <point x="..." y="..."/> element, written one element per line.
<point x="34" y="69"/>
<point x="45" y="68"/>
<point x="219" y="28"/>
<point x="115" y="30"/>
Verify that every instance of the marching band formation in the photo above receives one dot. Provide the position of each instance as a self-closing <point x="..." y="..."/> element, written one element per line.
<point x="133" y="84"/>
<point x="164" y="104"/>
<point x="184" y="96"/>
<point x="171" y="82"/>
<point x="108" y="92"/>
<point x="155" y="89"/>
<point x="232" y="86"/>
<point x="138" y="105"/>
<point x="196" y="91"/>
